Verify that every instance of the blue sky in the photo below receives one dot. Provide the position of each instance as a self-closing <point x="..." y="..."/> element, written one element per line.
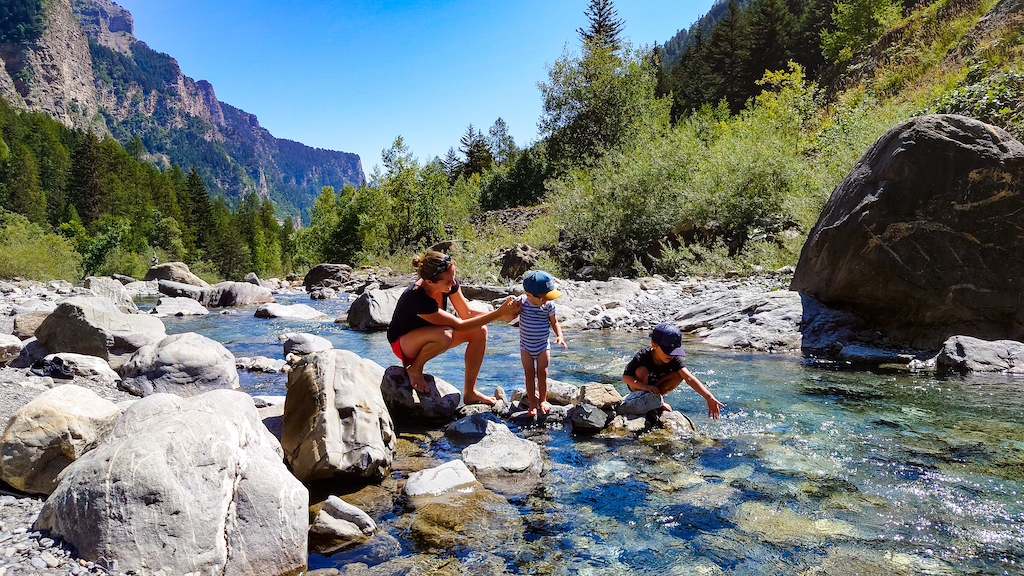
<point x="353" y="75"/>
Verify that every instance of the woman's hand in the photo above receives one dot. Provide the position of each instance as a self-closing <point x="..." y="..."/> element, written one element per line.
<point x="510" y="307"/>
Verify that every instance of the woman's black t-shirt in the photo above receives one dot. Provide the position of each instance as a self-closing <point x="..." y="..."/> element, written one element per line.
<point x="413" y="302"/>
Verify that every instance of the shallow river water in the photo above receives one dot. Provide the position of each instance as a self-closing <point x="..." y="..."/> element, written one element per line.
<point x="812" y="469"/>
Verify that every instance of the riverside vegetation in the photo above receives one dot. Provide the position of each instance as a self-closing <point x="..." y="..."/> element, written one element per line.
<point x="641" y="168"/>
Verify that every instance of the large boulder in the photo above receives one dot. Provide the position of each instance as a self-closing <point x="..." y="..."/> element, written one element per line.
<point x="921" y="238"/>
<point x="94" y="326"/>
<point x="184" y="486"/>
<point x="186" y="364"/>
<point x="239" y="294"/>
<point x="53" y="430"/>
<point x="113" y="290"/>
<point x="373" y="309"/>
<point x="327" y="275"/>
<point x="966" y="354"/>
<point x="335" y="421"/>
<point x="504" y="462"/>
<point x="437" y="405"/>
<point x="175" y="272"/>
<point x="600" y="394"/>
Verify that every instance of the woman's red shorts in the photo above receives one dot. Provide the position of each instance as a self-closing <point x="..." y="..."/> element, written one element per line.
<point x="397" y="349"/>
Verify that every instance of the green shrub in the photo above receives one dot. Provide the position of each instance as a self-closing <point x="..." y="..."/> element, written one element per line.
<point x="28" y="251"/>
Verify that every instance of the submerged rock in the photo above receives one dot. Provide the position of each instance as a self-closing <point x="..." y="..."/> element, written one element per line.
<point x="452" y="510"/>
<point x="339" y="525"/>
<point x="504" y="462"/>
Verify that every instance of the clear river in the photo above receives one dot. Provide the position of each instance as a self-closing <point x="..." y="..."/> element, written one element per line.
<point x="812" y="469"/>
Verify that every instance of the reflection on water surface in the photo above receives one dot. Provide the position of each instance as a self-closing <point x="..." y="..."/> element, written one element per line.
<point x="810" y="471"/>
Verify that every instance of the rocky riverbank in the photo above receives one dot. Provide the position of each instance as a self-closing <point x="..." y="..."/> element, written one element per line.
<point x="756" y="313"/>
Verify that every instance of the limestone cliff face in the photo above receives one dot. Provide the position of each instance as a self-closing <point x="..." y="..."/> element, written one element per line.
<point x="54" y="74"/>
<point x="106" y="23"/>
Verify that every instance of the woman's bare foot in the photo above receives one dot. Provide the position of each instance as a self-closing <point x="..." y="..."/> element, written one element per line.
<point x="419" y="383"/>
<point x="474" y="397"/>
<point x="545" y="407"/>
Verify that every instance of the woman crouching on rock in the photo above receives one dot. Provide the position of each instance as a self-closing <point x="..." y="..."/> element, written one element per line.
<point x="422" y="328"/>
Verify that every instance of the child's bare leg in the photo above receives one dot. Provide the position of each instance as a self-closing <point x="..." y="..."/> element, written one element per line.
<point x="531" y="374"/>
<point x="543" y="359"/>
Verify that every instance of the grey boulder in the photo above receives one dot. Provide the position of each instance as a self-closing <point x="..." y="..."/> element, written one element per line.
<point x="302" y="343"/>
<point x="639" y="403"/>
<point x="966" y="354"/>
<point x="184" y="364"/>
<point x="184" y="486"/>
<point x="292" y="312"/>
<point x="587" y="418"/>
<point x="372" y="310"/>
<point x="10" y="347"/>
<point x="504" y="462"/>
<point x="335" y="421"/>
<point x="339" y="525"/>
<point x="94" y="326"/>
<point x="112" y="290"/>
<point x="178" y="306"/>
<point x="44" y="436"/>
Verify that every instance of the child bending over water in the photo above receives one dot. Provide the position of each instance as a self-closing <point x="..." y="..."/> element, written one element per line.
<point x="659" y="368"/>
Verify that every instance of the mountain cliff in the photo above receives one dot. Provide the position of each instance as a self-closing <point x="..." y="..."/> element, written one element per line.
<point x="87" y="69"/>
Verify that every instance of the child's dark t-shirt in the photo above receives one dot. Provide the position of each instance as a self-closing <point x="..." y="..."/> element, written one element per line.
<point x="413" y="302"/>
<point x="645" y="358"/>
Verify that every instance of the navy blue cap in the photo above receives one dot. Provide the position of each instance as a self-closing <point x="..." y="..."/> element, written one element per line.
<point x="669" y="339"/>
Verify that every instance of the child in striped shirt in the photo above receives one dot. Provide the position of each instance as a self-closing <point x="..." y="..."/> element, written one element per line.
<point x="536" y="319"/>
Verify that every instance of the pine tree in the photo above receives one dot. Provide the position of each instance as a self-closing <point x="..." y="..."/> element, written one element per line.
<point x="773" y="29"/>
<point x="728" y="53"/>
<point x="477" y="153"/>
<point x="201" y="222"/>
<point x="501" y="143"/>
<point x="87" y="174"/>
<point x="605" y="26"/>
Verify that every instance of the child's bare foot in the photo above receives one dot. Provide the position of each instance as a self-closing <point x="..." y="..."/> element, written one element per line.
<point x="545" y="407"/>
<point x="666" y="407"/>
<point x="419" y="383"/>
<point x="474" y="397"/>
<point x="531" y="412"/>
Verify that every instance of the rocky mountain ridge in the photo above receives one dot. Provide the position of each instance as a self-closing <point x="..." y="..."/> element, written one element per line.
<point x="89" y="71"/>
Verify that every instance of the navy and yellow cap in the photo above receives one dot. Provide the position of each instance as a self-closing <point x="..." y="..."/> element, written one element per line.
<point x="540" y="284"/>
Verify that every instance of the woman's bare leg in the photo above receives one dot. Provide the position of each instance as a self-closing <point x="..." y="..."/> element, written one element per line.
<point x="476" y="346"/>
<point x="421" y="345"/>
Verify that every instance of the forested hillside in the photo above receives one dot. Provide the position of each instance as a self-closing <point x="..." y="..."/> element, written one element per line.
<point x="720" y="164"/>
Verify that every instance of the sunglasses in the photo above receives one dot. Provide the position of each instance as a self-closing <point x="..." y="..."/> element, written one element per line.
<point x="446" y="263"/>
